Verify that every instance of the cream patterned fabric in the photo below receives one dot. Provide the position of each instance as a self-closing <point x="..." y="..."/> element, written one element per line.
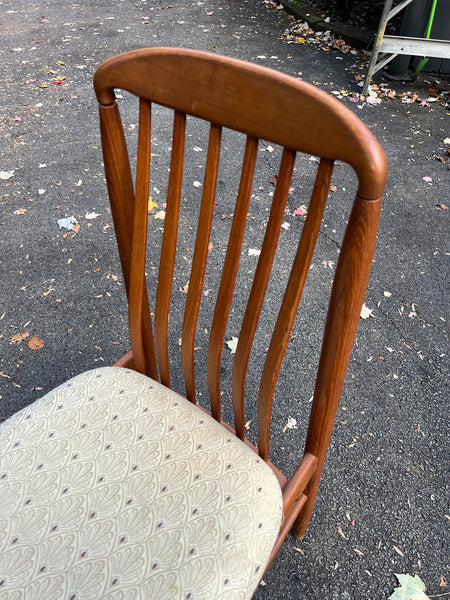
<point x="114" y="487"/>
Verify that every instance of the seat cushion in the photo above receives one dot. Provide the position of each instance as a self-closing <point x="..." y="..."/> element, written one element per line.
<point x="114" y="487"/>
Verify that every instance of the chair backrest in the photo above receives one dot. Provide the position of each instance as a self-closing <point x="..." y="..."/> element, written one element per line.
<point x="263" y="105"/>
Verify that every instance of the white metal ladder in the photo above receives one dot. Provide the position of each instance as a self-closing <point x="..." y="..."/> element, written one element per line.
<point x="391" y="46"/>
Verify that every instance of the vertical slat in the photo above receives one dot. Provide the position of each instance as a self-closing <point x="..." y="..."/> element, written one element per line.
<point x="121" y="194"/>
<point x="199" y="261"/>
<point x="291" y="299"/>
<point x="168" y="249"/>
<point x="258" y="289"/>
<point x="228" y="278"/>
<point x="347" y="296"/>
<point x="139" y="244"/>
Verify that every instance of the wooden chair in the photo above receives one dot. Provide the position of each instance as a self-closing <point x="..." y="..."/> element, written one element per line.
<point x="115" y="484"/>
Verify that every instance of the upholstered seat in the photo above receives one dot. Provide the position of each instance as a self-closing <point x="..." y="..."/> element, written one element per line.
<point x="112" y="486"/>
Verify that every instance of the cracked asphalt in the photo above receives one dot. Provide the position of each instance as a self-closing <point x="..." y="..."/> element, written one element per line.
<point x="383" y="502"/>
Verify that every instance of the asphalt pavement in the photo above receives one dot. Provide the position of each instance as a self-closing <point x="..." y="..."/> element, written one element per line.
<point x="383" y="503"/>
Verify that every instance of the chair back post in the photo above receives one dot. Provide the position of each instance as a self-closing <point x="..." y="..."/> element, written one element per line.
<point x="121" y="195"/>
<point x="347" y="297"/>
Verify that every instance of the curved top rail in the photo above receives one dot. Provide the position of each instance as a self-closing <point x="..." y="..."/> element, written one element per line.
<point x="296" y="115"/>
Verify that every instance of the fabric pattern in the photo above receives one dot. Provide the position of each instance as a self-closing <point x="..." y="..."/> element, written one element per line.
<point x="114" y="487"/>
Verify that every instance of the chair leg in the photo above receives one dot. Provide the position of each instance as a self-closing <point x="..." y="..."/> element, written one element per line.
<point x="302" y="521"/>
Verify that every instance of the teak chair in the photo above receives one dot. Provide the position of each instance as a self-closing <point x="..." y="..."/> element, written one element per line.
<point x="113" y="485"/>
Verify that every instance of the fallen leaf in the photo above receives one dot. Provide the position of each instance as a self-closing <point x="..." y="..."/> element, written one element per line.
<point x="411" y="588"/>
<point x="427" y="179"/>
<point x="160" y="215"/>
<point x="254" y="252"/>
<point x="210" y="247"/>
<point x="41" y="191"/>
<point x="285" y="225"/>
<point x="442" y="583"/>
<point x="366" y="312"/>
<point x="151" y="204"/>
<point x="341" y="533"/>
<point x="197" y="184"/>
<point x="91" y="215"/>
<point x="387" y="294"/>
<point x="301" y="210"/>
<point x="69" y="223"/>
<point x="34" y="343"/>
<point x="273" y="179"/>
<point x="19" y="337"/>
<point x="291" y="424"/>
<point x="232" y="344"/>
<point x="442" y="206"/>
<point x="6" y="174"/>
<point x="397" y="549"/>
<point x="333" y="188"/>
<point x="184" y="289"/>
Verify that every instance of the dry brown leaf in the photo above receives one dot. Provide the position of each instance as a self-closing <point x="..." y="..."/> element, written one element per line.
<point x="35" y="343"/>
<point x="19" y="337"/>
